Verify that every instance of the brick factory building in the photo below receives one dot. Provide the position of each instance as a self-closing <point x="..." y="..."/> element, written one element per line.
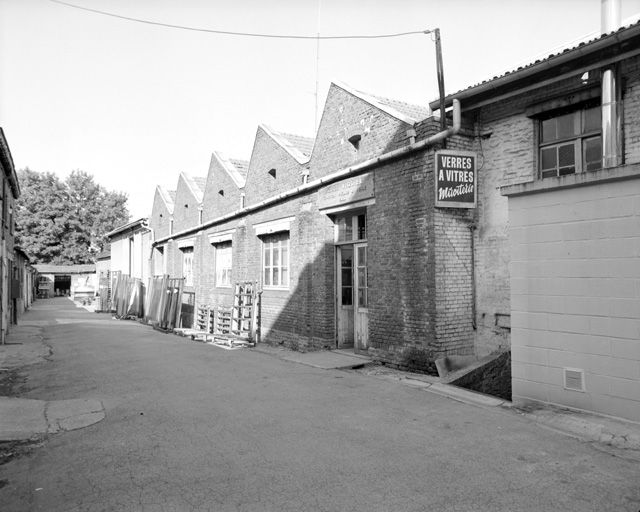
<point x="343" y="235"/>
<point x="516" y="228"/>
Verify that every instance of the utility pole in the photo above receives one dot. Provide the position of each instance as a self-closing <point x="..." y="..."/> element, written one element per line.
<point x="440" y="70"/>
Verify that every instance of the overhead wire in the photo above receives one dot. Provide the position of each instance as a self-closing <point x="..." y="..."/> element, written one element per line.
<point x="240" y="34"/>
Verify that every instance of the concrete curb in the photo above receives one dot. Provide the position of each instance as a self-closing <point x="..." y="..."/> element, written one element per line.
<point x="609" y="431"/>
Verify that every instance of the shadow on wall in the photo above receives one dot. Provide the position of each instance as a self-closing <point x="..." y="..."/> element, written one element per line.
<point x="302" y="318"/>
<point x="401" y="290"/>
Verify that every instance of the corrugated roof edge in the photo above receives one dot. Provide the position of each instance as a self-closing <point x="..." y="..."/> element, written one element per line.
<point x="141" y="222"/>
<point x="540" y="64"/>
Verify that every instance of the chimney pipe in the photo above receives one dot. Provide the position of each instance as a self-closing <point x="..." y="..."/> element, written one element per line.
<point x="611" y="93"/>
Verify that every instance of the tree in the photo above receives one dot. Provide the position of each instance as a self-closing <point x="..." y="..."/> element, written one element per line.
<point x="65" y="222"/>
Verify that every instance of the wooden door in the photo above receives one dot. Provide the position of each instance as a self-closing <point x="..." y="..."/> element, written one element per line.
<point x="361" y="297"/>
<point x="344" y="294"/>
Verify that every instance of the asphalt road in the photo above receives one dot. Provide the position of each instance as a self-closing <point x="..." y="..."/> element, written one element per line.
<point x="191" y="427"/>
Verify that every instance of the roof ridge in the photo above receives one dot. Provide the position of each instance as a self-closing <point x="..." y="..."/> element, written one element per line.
<point x="193" y="185"/>
<point x="379" y="103"/>
<point x="238" y="178"/>
<point x="167" y="196"/>
<point x="281" y="139"/>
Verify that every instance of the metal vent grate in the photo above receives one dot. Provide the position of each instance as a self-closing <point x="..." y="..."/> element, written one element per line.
<point x="574" y="379"/>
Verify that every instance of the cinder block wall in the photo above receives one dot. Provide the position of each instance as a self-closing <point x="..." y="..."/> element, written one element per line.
<point x="575" y="296"/>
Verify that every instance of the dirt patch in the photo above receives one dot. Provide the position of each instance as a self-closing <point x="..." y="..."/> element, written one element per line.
<point x="11" y="382"/>
<point x="10" y="450"/>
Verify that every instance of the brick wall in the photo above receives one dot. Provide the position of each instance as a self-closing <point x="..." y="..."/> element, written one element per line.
<point x="401" y="269"/>
<point x="575" y="295"/>
<point x="631" y="99"/>
<point x="185" y="210"/>
<point x="160" y="216"/>
<point x="216" y="204"/>
<point x="267" y="155"/>
<point x="454" y="281"/>
<point x="343" y="116"/>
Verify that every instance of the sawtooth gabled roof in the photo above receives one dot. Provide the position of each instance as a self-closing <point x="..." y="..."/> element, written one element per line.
<point x="242" y="166"/>
<point x="168" y="197"/>
<point x="196" y="185"/>
<point x="297" y="146"/>
<point x="406" y="112"/>
<point x="236" y="169"/>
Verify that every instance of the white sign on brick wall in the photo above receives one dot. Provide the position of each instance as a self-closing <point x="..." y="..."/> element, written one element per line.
<point x="346" y="191"/>
<point x="456" y="179"/>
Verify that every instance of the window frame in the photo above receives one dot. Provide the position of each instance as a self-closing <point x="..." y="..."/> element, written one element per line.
<point x="268" y="243"/>
<point x="352" y="222"/>
<point x="577" y="140"/>
<point x="219" y="270"/>
<point x="188" y="256"/>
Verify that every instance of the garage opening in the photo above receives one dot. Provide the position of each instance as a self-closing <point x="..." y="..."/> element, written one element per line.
<point x="62" y="285"/>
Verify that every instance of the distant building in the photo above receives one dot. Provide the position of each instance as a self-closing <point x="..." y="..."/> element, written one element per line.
<point x="130" y="249"/>
<point x="23" y="283"/>
<point x="67" y="280"/>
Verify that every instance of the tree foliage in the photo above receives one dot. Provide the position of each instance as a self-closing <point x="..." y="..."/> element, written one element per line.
<point x="65" y="221"/>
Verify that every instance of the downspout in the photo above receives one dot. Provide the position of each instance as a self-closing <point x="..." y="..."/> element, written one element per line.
<point x="472" y="229"/>
<point x="331" y="178"/>
<point x="611" y="93"/>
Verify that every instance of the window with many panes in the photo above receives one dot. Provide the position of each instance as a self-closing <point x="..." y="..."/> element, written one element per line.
<point x="223" y="265"/>
<point x="275" y="260"/>
<point x="351" y="227"/>
<point x="571" y="142"/>
<point x="187" y="265"/>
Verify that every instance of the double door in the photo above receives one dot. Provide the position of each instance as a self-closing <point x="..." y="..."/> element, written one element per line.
<point x="352" y="296"/>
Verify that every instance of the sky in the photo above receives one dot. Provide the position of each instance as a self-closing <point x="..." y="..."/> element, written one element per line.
<point x="135" y="104"/>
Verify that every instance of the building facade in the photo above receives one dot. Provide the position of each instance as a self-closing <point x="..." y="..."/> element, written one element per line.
<point x="344" y="236"/>
<point x="10" y="191"/>
<point x="23" y="283"/>
<point x="559" y="143"/>
<point x="130" y="249"/>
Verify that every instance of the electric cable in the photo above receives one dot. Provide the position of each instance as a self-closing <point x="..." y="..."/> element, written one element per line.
<point x="240" y="34"/>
